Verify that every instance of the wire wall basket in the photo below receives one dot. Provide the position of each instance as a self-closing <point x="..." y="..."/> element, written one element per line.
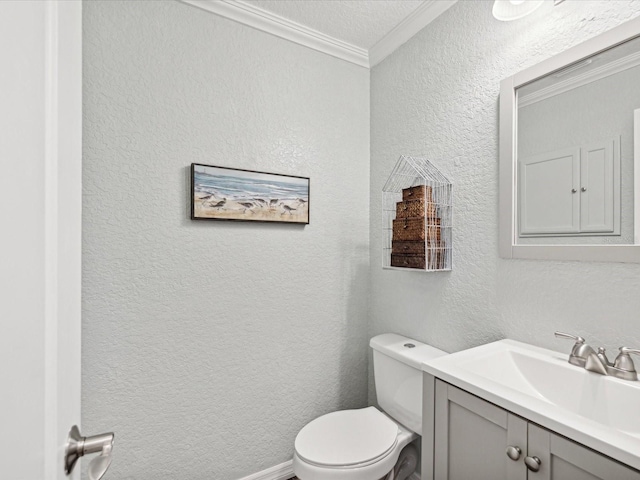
<point x="417" y="211"/>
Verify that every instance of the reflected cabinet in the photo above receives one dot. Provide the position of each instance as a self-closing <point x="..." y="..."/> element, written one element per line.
<point x="572" y="191"/>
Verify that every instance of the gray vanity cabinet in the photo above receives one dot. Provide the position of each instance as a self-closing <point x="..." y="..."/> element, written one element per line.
<point x="471" y="440"/>
<point x="471" y="436"/>
<point x="562" y="459"/>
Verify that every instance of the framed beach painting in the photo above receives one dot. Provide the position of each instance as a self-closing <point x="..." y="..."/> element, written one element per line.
<point x="221" y="193"/>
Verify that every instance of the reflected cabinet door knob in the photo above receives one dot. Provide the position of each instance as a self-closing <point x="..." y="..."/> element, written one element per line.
<point x="573" y="190"/>
<point x="533" y="463"/>
<point x="513" y="452"/>
<point x="584" y="189"/>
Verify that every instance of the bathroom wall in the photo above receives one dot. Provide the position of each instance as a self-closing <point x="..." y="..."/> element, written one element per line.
<point x="208" y="345"/>
<point x="437" y="96"/>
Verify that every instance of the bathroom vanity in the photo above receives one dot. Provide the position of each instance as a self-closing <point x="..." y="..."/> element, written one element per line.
<point x="508" y="410"/>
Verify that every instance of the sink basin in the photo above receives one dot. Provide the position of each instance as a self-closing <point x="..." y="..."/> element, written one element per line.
<point x="601" y="399"/>
<point x="600" y="411"/>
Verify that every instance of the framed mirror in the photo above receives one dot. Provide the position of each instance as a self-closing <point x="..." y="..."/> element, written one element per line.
<point x="570" y="153"/>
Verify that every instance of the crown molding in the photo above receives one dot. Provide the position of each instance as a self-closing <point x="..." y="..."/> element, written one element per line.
<point x="284" y="28"/>
<point x="268" y="22"/>
<point x="420" y="18"/>
<point x="611" y="68"/>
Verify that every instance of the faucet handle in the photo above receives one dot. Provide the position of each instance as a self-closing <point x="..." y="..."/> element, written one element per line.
<point x="580" y="350"/>
<point x="623" y="360"/>
<point x="578" y="339"/>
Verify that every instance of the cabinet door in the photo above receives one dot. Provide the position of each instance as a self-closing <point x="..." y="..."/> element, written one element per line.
<point x="600" y="187"/>
<point x="548" y="186"/>
<point x="562" y="459"/>
<point x="471" y="438"/>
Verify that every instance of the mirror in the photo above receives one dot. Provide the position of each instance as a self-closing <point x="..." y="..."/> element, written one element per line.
<point x="570" y="153"/>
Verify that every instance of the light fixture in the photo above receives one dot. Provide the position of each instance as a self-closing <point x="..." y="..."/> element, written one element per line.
<point x="507" y="10"/>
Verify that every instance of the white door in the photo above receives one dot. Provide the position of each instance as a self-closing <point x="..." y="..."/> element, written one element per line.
<point x="636" y="173"/>
<point x="40" y="234"/>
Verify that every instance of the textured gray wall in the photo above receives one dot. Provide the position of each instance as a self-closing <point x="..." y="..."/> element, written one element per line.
<point x="438" y="95"/>
<point x="208" y="345"/>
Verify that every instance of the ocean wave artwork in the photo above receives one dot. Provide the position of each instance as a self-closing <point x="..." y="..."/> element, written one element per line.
<point x="222" y="193"/>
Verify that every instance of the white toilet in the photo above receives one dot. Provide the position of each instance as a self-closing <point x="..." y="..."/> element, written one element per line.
<point x="367" y="444"/>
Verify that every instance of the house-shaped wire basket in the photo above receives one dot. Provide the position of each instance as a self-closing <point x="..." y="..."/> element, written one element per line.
<point x="417" y="210"/>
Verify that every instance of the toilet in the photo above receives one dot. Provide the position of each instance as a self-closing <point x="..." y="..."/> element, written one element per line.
<point x="369" y="444"/>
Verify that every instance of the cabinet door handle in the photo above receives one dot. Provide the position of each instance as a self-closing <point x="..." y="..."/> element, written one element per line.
<point x="533" y="463"/>
<point x="513" y="452"/>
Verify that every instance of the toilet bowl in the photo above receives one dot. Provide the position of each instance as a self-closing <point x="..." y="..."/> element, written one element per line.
<point x="369" y="444"/>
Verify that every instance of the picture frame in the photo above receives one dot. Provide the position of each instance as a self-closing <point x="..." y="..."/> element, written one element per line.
<point x="224" y="193"/>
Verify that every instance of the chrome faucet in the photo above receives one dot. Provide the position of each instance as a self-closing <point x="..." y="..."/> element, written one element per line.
<point x="582" y="355"/>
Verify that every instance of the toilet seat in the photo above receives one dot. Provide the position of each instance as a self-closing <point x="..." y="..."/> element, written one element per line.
<point x="337" y="459"/>
<point x="347" y="439"/>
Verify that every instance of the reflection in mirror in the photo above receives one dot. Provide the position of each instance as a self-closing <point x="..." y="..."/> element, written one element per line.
<point x="575" y="151"/>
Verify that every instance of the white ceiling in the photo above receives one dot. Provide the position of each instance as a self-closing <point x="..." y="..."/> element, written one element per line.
<point x="359" y="22"/>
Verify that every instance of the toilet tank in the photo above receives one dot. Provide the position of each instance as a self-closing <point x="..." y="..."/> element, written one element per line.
<point x="397" y="371"/>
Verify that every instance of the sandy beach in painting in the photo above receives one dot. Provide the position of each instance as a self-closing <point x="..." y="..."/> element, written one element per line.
<point x="230" y="194"/>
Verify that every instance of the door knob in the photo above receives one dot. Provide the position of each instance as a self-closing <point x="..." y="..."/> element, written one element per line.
<point x="79" y="446"/>
<point x="513" y="452"/>
<point x="99" y="465"/>
<point x="533" y="463"/>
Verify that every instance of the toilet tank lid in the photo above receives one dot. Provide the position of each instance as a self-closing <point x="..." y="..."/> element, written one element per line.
<point x="395" y="346"/>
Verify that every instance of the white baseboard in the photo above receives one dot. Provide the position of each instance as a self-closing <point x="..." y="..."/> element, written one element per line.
<point x="284" y="471"/>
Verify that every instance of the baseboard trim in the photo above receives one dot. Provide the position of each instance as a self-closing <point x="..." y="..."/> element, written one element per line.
<point x="284" y="471"/>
